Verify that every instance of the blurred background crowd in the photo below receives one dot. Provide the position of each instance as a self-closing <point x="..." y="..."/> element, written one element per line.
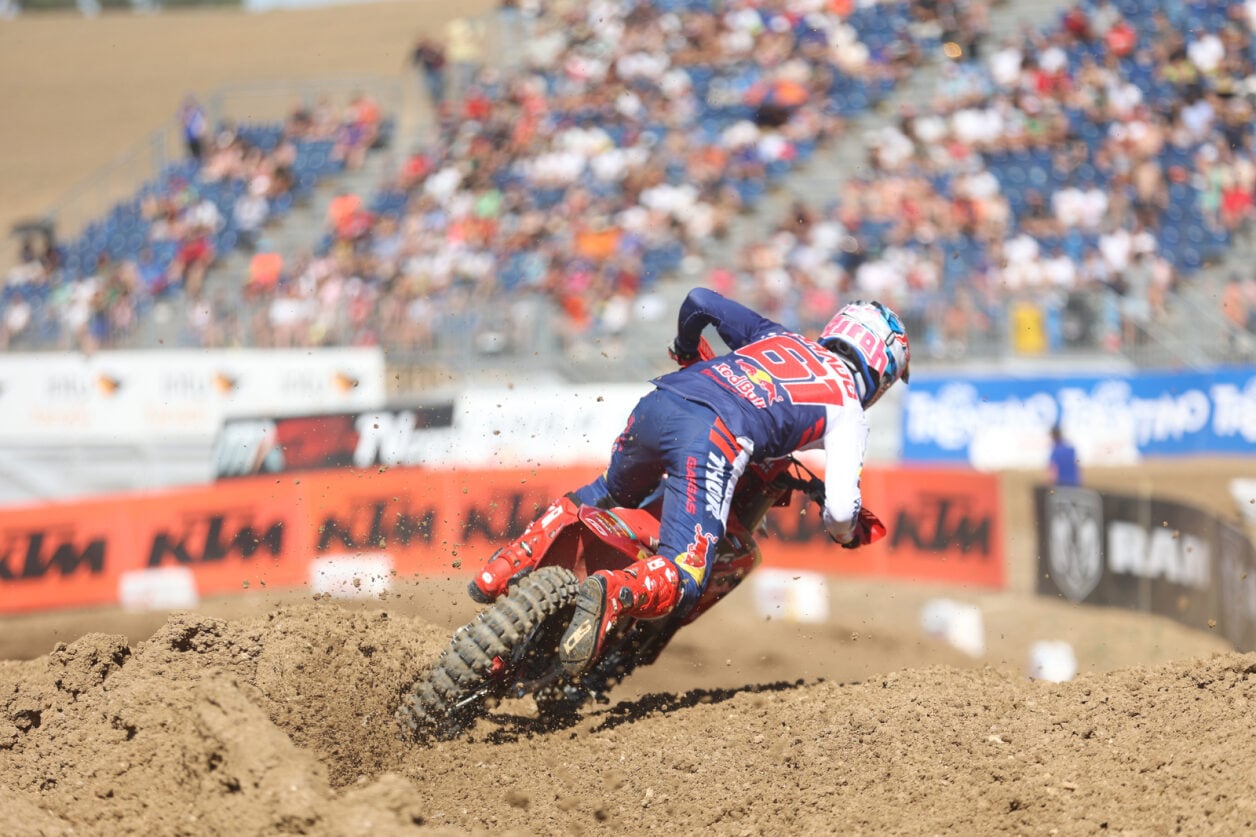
<point x="1053" y="189"/>
<point x="1068" y="179"/>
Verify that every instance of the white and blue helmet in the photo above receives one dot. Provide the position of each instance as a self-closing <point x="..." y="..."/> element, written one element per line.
<point x="872" y="340"/>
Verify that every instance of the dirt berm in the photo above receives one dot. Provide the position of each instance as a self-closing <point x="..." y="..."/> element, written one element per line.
<point x="281" y="723"/>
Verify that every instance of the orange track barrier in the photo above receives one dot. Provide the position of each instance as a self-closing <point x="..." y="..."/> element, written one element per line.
<point x="943" y="526"/>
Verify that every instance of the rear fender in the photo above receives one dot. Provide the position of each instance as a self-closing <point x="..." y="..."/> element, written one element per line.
<point x="618" y="537"/>
<point x="600" y="539"/>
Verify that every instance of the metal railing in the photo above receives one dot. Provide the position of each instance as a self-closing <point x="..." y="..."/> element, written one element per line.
<point x="118" y="180"/>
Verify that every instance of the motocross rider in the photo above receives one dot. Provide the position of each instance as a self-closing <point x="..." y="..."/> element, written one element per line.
<point x="776" y="392"/>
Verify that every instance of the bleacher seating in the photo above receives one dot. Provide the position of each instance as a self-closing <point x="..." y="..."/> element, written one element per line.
<point x="145" y="233"/>
<point x="1187" y="228"/>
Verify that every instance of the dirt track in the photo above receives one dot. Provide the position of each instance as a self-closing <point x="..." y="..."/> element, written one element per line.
<point x="281" y="722"/>
<point x="266" y="713"/>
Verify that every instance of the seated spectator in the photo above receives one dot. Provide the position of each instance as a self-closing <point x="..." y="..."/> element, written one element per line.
<point x="1236" y="307"/>
<point x="265" y="271"/>
<point x="192" y="260"/>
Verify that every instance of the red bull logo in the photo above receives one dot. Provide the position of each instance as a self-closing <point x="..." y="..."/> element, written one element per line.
<point x="724" y="375"/>
<point x="762" y="380"/>
<point x="694" y="559"/>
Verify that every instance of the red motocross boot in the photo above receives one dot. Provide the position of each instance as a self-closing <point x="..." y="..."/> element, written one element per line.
<point x="520" y="556"/>
<point x="645" y="591"/>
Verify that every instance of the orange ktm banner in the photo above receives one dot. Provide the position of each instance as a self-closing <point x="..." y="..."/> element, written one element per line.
<point x="428" y="522"/>
<point x="211" y="540"/>
<point x="61" y="555"/>
<point x="278" y="532"/>
<point x="324" y="527"/>
<point x="224" y="538"/>
<point x="944" y="525"/>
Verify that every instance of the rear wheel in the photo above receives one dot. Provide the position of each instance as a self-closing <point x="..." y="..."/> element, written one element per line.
<point x="516" y="639"/>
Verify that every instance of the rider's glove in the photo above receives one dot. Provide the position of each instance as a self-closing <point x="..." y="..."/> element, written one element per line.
<point x="683" y="358"/>
<point x="868" y="529"/>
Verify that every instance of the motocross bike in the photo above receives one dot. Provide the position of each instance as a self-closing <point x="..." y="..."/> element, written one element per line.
<point x="511" y="649"/>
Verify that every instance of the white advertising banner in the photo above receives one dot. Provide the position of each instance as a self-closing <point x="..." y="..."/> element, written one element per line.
<point x="505" y="428"/>
<point x="175" y="395"/>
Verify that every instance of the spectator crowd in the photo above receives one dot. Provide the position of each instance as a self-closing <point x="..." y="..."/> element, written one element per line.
<point x="1056" y="191"/>
<point x="94" y="291"/>
<point x="628" y="139"/>
<point x="1060" y="186"/>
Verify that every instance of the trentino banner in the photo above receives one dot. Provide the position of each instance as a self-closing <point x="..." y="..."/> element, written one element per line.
<point x="1003" y="422"/>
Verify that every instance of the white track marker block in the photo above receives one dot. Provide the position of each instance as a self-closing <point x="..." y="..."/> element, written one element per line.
<point x="161" y="588"/>
<point x="957" y="624"/>
<point x="791" y="595"/>
<point x="359" y="576"/>
<point x="1053" y="661"/>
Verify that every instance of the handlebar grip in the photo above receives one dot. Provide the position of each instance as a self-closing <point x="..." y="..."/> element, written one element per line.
<point x="813" y="488"/>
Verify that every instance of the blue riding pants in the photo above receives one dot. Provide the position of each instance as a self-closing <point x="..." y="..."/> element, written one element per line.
<point x="667" y="436"/>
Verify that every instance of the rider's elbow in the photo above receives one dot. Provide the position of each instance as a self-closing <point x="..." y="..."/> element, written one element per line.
<point x="840" y="529"/>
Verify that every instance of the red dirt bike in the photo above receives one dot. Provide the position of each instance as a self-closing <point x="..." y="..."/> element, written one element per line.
<point x="511" y="648"/>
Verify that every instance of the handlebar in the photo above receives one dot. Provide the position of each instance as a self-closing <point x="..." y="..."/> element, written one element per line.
<point x="868" y="527"/>
<point x="811" y="485"/>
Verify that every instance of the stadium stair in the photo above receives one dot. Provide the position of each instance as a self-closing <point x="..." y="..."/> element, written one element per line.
<point x="1195" y="334"/>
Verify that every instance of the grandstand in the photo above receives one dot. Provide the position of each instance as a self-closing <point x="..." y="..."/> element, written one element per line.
<point x="718" y="105"/>
<point x="1057" y="274"/>
<point x="1023" y="272"/>
<point x="97" y="289"/>
<point x="553" y="216"/>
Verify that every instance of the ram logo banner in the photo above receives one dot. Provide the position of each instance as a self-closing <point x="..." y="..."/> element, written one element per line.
<point x="1149" y="555"/>
<point x="1003" y="422"/>
<point x="1074" y="523"/>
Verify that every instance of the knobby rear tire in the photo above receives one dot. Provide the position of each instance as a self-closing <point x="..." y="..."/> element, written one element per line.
<point x="451" y="695"/>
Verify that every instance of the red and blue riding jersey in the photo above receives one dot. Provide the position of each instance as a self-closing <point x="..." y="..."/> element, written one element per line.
<point x="777" y="392"/>
<point x="774" y="394"/>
